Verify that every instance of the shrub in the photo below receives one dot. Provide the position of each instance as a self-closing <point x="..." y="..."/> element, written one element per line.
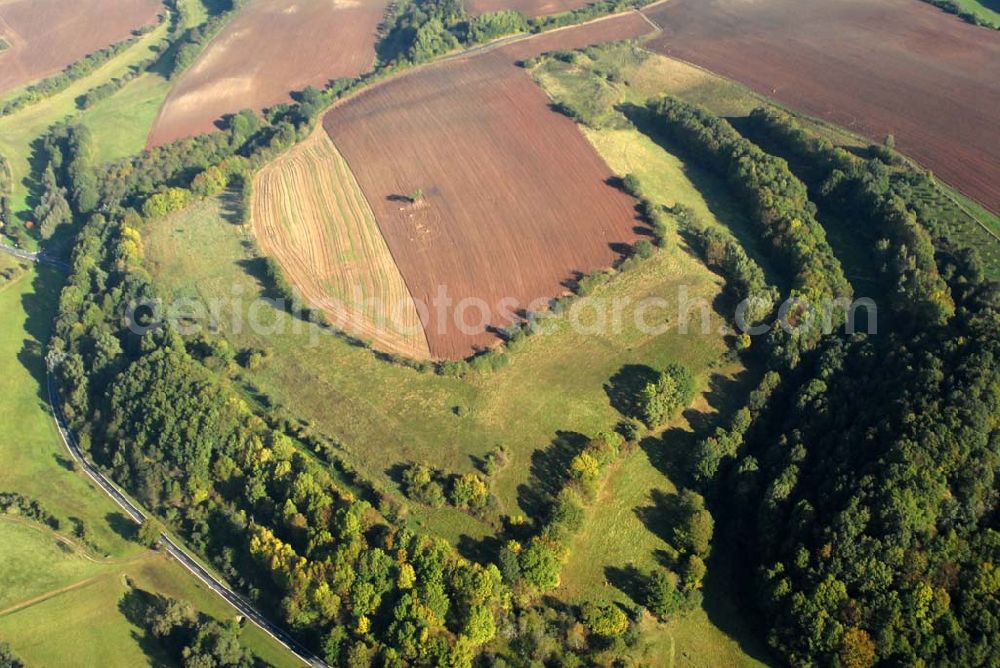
<point x="165" y="202"/>
<point x="660" y="400"/>
<point x="419" y="484"/>
<point x="661" y="595"/>
<point x="491" y="25"/>
<point x="605" y="620"/>
<point x="470" y="491"/>
<point x="149" y="532"/>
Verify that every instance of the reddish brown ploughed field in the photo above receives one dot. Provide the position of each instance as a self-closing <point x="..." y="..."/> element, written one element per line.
<point x="529" y="8"/>
<point x="271" y="49"/>
<point x="47" y="35"/>
<point x="891" y="66"/>
<point x="515" y="199"/>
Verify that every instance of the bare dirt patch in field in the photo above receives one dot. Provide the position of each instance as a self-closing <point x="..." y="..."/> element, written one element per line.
<point x="272" y="48"/>
<point x="529" y="8"/>
<point x="47" y="35"/>
<point x="893" y="66"/>
<point x="311" y="216"/>
<point x="515" y="200"/>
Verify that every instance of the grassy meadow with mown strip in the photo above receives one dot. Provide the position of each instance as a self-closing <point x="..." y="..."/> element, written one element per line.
<point x="555" y="388"/>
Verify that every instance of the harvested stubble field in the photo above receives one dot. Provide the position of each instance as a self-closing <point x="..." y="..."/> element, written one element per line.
<point x="530" y="8"/>
<point x="515" y="201"/>
<point x="310" y="215"/>
<point x="272" y="48"/>
<point x="47" y="35"/>
<point x="893" y="66"/>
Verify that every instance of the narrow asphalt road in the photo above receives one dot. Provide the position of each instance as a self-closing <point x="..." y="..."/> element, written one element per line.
<point x="173" y="549"/>
<point x="37" y="258"/>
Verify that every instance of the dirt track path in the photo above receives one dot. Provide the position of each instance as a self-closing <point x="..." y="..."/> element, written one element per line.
<point x="77" y="548"/>
<point x="52" y="594"/>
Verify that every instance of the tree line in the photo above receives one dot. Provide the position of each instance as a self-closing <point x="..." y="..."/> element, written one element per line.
<point x="59" y="82"/>
<point x="186" y="47"/>
<point x="778" y="203"/>
<point x="865" y="196"/>
<point x="417" y="31"/>
<point x="953" y="7"/>
<point x="588" y="12"/>
<point x="722" y="253"/>
<point x="861" y="484"/>
<point x="14" y="232"/>
<point x="13" y="503"/>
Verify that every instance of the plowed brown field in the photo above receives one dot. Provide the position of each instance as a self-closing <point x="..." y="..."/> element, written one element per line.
<point x="272" y="48"/>
<point x="515" y="198"/>
<point x="529" y="8"/>
<point x="47" y="35"/>
<point x="310" y="215"/>
<point x="892" y="66"/>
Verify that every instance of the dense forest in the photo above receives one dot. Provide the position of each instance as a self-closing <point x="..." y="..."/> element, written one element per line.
<point x="861" y="482"/>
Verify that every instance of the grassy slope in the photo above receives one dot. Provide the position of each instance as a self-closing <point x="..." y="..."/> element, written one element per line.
<point x="624" y="530"/>
<point x="387" y="415"/>
<point x="36" y="563"/>
<point x="35" y="459"/>
<point x="52" y="586"/>
<point x="77" y="602"/>
<point x="119" y="123"/>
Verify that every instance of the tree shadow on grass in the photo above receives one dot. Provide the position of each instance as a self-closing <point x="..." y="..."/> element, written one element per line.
<point x="662" y="515"/>
<point x="122" y="525"/>
<point x="230" y="207"/>
<point x="727" y="601"/>
<point x="549" y="469"/>
<point x="64" y="462"/>
<point x="625" y="387"/>
<point x="37" y="160"/>
<point x="720" y="202"/>
<point x="629" y="580"/>
<point x="483" y="550"/>
<point x="135" y="605"/>
<point x="39" y="308"/>
<point x="256" y="268"/>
